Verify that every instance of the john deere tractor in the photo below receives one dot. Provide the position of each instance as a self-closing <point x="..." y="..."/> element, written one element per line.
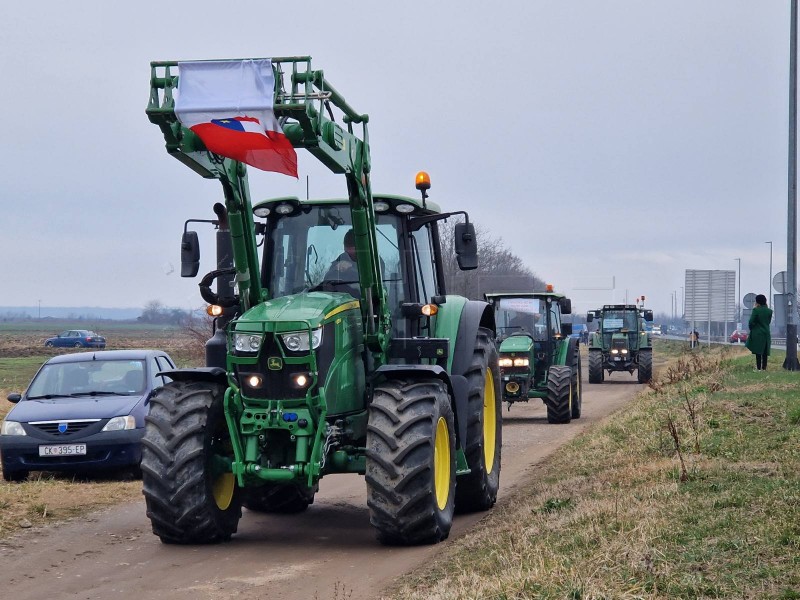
<point x="317" y="366"/>
<point x="621" y="342"/>
<point x="538" y="358"/>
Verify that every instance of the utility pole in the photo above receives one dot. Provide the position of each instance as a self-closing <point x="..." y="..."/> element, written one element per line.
<point x="739" y="295"/>
<point x="791" y="364"/>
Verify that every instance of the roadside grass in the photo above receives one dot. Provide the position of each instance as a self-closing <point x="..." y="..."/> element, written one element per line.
<point x="692" y="491"/>
<point x="45" y="497"/>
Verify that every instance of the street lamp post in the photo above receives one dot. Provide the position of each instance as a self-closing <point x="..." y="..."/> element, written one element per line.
<point x="791" y="363"/>
<point x="770" y="274"/>
<point x="40" y="310"/>
<point x="739" y="295"/>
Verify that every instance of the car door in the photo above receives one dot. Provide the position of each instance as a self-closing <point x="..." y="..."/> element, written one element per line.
<point x="63" y="339"/>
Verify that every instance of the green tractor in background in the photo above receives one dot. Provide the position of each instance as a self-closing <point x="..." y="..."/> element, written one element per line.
<point x="317" y="367"/>
<point x="538" y="358"/>
<point x="621" y="342"/>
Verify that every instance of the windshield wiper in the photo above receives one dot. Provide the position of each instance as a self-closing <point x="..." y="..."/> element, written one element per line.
<point x="94" y="393"/>
<point x="45" y="396"/>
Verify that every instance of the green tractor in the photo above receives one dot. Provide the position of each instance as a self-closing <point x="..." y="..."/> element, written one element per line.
<point x="538" y="358"/>
<point x="621" y="342"/>
<point x="319" y="367"/>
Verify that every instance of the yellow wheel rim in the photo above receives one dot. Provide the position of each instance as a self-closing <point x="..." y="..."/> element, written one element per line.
<point x="441" y="464"/>
<point x="222" y="488"/>
<point x="489" y="421"/>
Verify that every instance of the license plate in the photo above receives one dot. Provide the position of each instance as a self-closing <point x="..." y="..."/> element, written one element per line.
<point x="63" y="450"/>
<point x="617" y="358"/>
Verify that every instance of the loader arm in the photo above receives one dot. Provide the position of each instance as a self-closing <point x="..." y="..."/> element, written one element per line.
<point x="304" y="102"/>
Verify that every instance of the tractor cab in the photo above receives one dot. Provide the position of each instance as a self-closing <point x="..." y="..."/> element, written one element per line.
<point x="534" y="345"/>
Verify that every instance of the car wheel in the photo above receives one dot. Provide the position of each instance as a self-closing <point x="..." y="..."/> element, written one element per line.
<point x="77" y="345"/>
<point x="49" y="344"/>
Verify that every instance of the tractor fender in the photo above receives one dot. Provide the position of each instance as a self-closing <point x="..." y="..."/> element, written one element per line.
<point x="456" y="386"/>
<point x="210" y="374"/>
<point x="475" y="315"/>
<point x="571" y="345"/>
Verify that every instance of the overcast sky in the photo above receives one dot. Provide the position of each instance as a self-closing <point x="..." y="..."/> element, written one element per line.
<point x="608" y="143"/>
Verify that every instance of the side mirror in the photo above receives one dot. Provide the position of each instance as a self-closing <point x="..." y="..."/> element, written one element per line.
<point x="14" y="397"/>
<point x="566" y="329"/>
<point x="589" y="317"/>
<point x="648" y="315"/>
<point x="190" y="254"/>
<point x="566" y="306"/>
<point x="466" y="246"/>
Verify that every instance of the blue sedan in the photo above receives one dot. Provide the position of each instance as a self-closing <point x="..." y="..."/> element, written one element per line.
<point x="82" y="412"/>
<point x="76" y="338"/>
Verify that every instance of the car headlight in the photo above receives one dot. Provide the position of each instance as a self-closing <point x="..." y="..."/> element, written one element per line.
<point x="120" y="423"/>
<point x="247" y="342"/>
<point x="297" y="341"/>
<point x="521" y="362"/>
<point x="12" y="428"/>
<point x="505" y="362"/>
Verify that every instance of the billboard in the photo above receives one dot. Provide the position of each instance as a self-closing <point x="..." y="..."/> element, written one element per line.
<point x="710" y="295"/>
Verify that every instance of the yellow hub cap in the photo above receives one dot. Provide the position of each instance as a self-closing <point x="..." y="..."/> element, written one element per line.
<point x="489" y="421"/>
<point x="441" y="464"/>
<point x="222" y="488"/>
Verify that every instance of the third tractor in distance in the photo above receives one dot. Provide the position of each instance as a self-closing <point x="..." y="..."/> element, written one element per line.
<point x="621" y="342"/>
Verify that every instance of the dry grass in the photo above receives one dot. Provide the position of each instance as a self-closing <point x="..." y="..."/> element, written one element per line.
<point x="617" y="514"/>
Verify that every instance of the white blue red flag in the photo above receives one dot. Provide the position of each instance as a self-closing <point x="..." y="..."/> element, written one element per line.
<point x="228" y="104"/>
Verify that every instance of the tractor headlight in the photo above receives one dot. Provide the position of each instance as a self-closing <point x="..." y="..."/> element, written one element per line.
<point x="614" y="351"/>
<point x="521" y="362"/>
<point x="624" y="350"/>
<point x="247" y="342"/>
<point x="297" y="341"/>
<point x="505" y="362"/>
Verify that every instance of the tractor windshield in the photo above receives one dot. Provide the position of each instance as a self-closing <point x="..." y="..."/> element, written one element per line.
<point x="616" y="320"/>
<point x="521" y="315"/>
<point x="312" y="249"/>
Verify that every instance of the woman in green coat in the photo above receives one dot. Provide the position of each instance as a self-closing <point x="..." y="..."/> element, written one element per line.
<point x="759" y="340"/>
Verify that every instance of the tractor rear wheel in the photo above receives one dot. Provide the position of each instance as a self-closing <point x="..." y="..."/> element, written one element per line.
<point x="559" y="394"/>
<point x="645" y="371"/>
<point x="191" y="495"/>
<point x="281" y="498"/>
<point x="411" y="461"/>
<point x="577" y="384"/>
<point x="478" y="490"/>
<point x="596" y="374"/>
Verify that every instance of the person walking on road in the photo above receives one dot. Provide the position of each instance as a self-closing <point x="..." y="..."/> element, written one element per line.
<point x="760" y="340"/>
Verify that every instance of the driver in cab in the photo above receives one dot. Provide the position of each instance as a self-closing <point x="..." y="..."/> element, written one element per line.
<point x="342" y="276"/>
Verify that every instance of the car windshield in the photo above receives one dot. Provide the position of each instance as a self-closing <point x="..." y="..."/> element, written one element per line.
<point x="521" y="315"/>
<point x="88" y="378"/>
<point x="307" y="247"/>
<point x="614" y="320"/>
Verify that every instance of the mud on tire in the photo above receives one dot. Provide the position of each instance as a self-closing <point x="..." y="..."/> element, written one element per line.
<point x="190" y="499"/>
<point x="478" y="490"/>
<point x="645" y="371"/>
<point x="559" y="394"/>
<point x="596" y="374"/>
<point x="411" y="456"/>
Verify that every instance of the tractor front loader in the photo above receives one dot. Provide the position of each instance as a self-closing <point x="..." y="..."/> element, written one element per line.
<point x="621" y="342"/>
<point x="323" y="363"/>
<point x="538" y="358"/>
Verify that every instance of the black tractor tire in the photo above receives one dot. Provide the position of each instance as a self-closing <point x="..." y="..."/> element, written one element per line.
<point x="577" y="384"/>
<point x="559" y="394"/>
<point x="411" y="461"/>
<point x="280" y="498"/>
<point x="645" y="371"/>
<point x="185" y="438"/>
<point x="478" y="490"/>
<point x="15" y="476"/>
<point x="596" y="373"/>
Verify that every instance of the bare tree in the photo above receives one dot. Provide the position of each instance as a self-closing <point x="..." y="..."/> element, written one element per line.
<point x="499" y="269"/>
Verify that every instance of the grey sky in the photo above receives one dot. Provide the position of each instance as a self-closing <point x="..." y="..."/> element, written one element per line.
<point x="624" y="139"/>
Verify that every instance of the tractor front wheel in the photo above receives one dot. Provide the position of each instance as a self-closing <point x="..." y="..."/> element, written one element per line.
<point x="411" y="461"/>
<point x="577" y="384"/>
<point x="282" y="498"/>
<point x="559" y="394"/>
<point x="478" y="490"/>
<point x="596" y="374"/>
<point x="191" y="495"/>
<point x="645" y="371"/>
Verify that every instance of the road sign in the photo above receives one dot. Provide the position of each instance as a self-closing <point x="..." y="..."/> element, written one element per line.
<point x="749" y="300"/>
<point x="781" y="282"/>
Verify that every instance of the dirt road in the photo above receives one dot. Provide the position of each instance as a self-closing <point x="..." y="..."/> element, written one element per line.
<point x="329" y="552"/>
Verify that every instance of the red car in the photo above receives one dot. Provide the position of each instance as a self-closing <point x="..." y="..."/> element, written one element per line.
<point x="738" y="336"/>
